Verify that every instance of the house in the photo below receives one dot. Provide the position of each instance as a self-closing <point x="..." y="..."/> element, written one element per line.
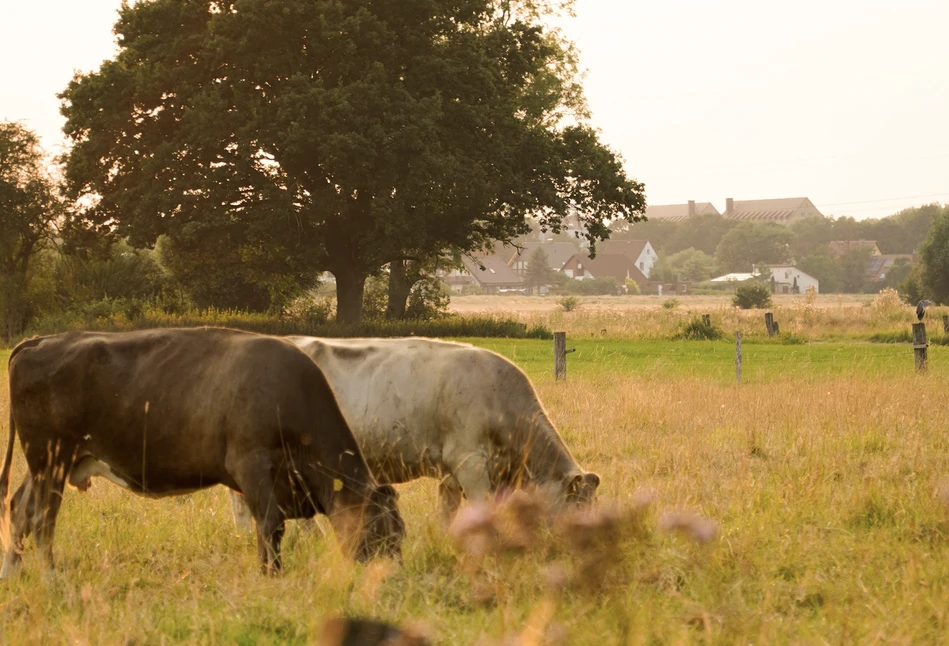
<point x="639" y="251"/>
<point x="495" y="275"/>
<point x="680" y="212"/>
<point x="787" y="279"/>
<point x="880" y="264"/>
<point x="840" y="247"/>
<point x="558" y="253"/>
<point x="734" y="278"/>
<point x="783" y="210"/>
<point x="619" y="266"/>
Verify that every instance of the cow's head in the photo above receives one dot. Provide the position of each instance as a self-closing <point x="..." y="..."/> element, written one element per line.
<point x="373" y="528"/>
<point x="384" y="528"/>
<point x="580" y="488"/>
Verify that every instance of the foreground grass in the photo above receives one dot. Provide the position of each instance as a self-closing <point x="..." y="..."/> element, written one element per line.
<point x="823" y="470"/>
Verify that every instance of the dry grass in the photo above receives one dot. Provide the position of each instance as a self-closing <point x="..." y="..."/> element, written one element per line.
<point x="826" y="317"/>
<point x="827" y="493"/>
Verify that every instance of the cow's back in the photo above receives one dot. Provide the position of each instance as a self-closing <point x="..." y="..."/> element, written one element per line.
<point x="411" y="401"/>
<point x="176" y="400"/>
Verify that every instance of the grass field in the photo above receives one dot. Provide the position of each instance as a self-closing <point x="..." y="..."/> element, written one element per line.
<point x="824" y="470"/>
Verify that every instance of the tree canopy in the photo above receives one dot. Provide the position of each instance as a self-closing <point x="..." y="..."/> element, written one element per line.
<point x="750" y="244"/>
<point x="934" y="260"/>
<point x="311" y="135"/>
<point x="28" y="205"/>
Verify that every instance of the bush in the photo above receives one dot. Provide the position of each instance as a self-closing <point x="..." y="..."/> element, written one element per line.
<point x="604" y="286"/>
<point x="888" y="303"/>
<point x="632" y="287"/>
<point x="697" y="330"/>
<point x="670" y="304"/>
<point x="429" y="299"/>
<point x="752" y="296"/>
<point x="569" y="303"/>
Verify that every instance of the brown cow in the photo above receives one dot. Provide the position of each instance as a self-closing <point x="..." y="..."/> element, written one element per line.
<point x="168" y="412"/>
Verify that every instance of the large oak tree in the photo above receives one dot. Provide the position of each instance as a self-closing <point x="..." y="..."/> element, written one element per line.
<point x="302" y="135"/>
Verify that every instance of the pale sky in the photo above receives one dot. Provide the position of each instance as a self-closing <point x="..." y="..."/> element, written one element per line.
<point x="844" y="102"/>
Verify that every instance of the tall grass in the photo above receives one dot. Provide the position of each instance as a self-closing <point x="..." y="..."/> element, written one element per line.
<point x="825" y="477"/>
<point x="486" y="326"/>
<point x="614" y="319"/>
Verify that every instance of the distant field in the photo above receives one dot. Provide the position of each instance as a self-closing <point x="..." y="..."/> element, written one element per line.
<point x="715" y="361"/>
<point x="826" y="471"/>
<point x="522" y="303"/>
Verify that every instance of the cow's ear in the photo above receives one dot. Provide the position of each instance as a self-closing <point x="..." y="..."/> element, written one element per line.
<point x="591" y="480"/>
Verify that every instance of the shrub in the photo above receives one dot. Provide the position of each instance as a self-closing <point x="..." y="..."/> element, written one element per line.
<point x="428" y="299"/>
<point x="670" y="304"/>
<point x="751" y="296"/>
<point x="697" y="330"/>
<point x="632" y="287"/>
<point x="887" y="303"/>
<point x="569" y="303"/>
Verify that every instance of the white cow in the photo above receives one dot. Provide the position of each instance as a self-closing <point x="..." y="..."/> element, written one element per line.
<point x="423" y="407"/>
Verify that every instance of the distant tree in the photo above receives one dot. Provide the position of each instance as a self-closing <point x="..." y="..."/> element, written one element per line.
<point x="690" y="264"/>
<point x="934" y="260"/>
<point x="303" y="135"/>
<point x="810" y="234"/>
<point x="752" y="244"/>
<point x="28" y="206"/>
<point x="703" y="232"/>
<point x="852" y="270"/>
<point x="822" y="266"/>
<point x="538" y="272"/>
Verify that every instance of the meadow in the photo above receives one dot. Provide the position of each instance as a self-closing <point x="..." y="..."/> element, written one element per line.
<point x="825" y="472"/>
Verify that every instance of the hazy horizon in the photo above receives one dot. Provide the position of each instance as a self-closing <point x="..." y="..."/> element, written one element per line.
<point x="841" y="102"/>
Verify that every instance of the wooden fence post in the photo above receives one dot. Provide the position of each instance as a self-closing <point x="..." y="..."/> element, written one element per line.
<point x="945" y="324"/>
<point x="738" y="356"/>
<point x="769" y="323"/>
<point x="560" y="355"/>
<point x="920" y="346"/>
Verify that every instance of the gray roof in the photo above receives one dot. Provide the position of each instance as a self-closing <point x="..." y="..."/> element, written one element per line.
<point x="629" y="248"/>
<point x="558" y="252"/>
<point x="678" y="212"/>
<point x="778" y="210"/>
<point x="495" y="272"/>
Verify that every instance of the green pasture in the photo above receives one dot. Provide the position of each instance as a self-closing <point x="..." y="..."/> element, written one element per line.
<point x="715" y="361"/>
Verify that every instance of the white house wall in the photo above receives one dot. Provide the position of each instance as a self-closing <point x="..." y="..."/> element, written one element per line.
<point x="647" y="258"/>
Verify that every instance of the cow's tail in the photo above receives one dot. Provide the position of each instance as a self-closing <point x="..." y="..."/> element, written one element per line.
<point x="5" y="520"/>
<point x="5" y="511"/>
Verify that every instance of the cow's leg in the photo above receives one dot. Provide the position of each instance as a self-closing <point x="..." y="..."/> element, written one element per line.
<point x="449" y="498"/>
<point x="20" y="525"/>
<point x="243" y="519"/>
<point x="47" y="496"/>
<point x="254" y="477"/>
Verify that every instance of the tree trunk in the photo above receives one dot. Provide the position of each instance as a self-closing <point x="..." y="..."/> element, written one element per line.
<point x="350" y="285"/>
<point x="399" y="288"/>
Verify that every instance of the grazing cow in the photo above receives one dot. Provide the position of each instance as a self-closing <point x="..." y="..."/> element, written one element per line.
<point x="421" y="407"/>
<point x="167" y="412"/>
